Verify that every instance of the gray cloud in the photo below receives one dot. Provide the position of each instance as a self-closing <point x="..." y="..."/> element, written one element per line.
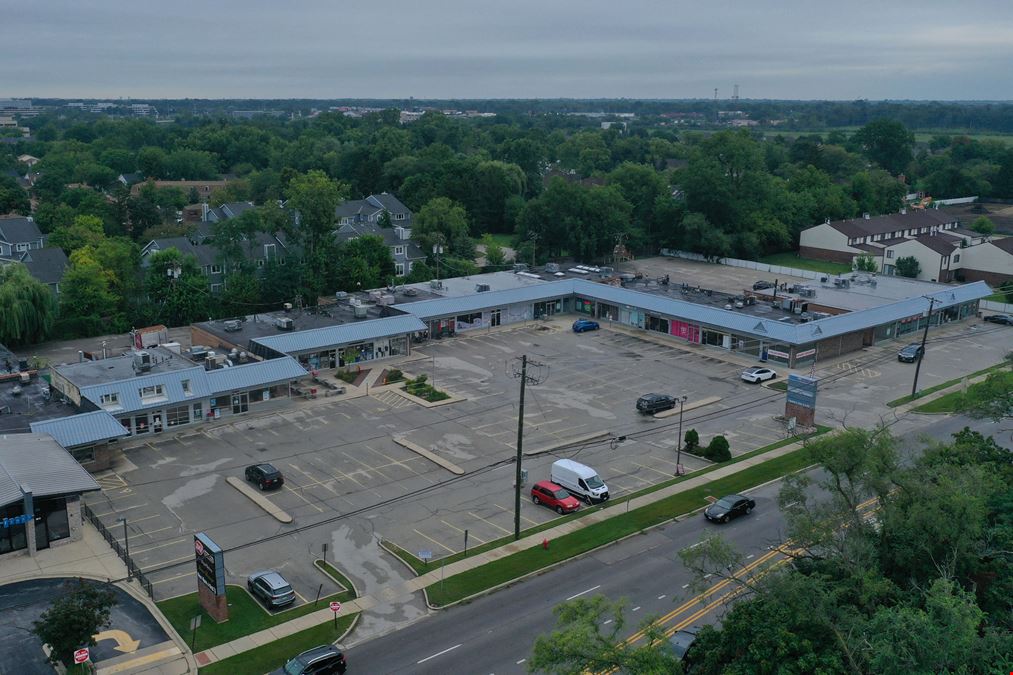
<point x="515" y="48"/>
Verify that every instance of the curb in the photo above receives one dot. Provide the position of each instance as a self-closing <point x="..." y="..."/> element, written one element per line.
<point x="259" y="500"/>
<point x="353" y="589"/>
<point x="567" y="443"/>
<point x="432" y="457"/>
<point x="687" y="406"/>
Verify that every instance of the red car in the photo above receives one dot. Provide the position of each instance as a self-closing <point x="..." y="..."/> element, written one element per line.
<point x="553" y="496"/>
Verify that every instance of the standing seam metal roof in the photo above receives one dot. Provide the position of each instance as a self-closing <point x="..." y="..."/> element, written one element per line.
<point x="347" y="333"/>
<point x="36" y="462"/>
<point x="129" y="396"/>
<point x="261" y="373"/>
<point x="91" y="427"/>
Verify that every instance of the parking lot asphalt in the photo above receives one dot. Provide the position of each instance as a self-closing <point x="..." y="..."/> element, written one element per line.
<point x="23" y="602"/>
<point x="349" y="484"/>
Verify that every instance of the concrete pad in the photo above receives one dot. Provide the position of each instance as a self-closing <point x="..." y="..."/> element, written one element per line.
<point x="692" y="405"/>
<point x="432" y="457"/>
<point x="259" y="499"/>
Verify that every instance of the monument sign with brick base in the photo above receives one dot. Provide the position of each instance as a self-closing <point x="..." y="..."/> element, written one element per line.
<point x="211" y="577"/>
<point x="801" y="403"/>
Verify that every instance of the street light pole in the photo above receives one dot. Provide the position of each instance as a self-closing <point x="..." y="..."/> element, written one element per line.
<point x="921" y="354"/>
<point x="126" y="544"/>
<point x="678" y="453"/>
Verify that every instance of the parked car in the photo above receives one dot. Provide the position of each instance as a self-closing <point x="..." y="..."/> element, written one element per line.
<point x="322" y="660"/>
<point x="264" y="476"/>
<point x="910" y="354"/>
<point x="762" y="285"/>
<point x="758" y="374"/>
<point x="681" y="643"/>
<point x="551" y="495"/>
<point x="580" y="480"/>
<point x="728" y="507"/>
<point x="583" y="325"/>
<point x="270" y="588"/>
<point x="648" y="404"/>
<point x="1006" y="319"/>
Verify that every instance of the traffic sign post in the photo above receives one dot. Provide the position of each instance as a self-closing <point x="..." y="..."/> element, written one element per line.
<point x="81" y="655"/>
<point x="335" y="607"/>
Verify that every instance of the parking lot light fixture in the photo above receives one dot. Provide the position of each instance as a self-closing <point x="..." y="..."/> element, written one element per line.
<point x="678" y="445"/>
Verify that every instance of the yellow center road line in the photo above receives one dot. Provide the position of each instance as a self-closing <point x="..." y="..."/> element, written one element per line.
<point x="423" y="534"/>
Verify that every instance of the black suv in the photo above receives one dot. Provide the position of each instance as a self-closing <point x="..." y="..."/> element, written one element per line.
<point x="322" y="660"/>
<point x="910" y="354"/>
<point x="265" y="476"/>
<point x="648" y="404"/>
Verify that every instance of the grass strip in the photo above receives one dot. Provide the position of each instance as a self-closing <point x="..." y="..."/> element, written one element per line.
<point x="421" y="567"/>
<point x="274" y="655"/>
<point x="246" y="616"/>
<point x="949" y="383"/>
<point x="944" y="404"/>
<point x="779" y="386"/>
<point x="460" y="586"/>
<point x="339" y="578"/>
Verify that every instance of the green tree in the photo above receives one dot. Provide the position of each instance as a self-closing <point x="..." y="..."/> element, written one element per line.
<point x="886" y="142"/>
<point x="908" y="266"/>
<point x="363" y="262"/>
<point x="151" y="162"/>
<point x="177" y="292"/>
<point x="13" y="198"/>
<point x="73" y="619"/>
<point x="444" y="222"/>
<point x="492" y="185"/>
<point x="580" y="645"/>
<point x="718" y="450"/>
<point x="692" y="440"/>
<point x="865" y="263"/>
<point x="241" y="295"/>
<point x="314" y="196"/>
<point x="494" y="255"/>
<point x="27" y="308"/>
<point x="876" y="192"/>
<point x="87" y="305"/>
<point x="991" y="399"/>
<point x="983" y="226"/>
<point x="84" y="231"/>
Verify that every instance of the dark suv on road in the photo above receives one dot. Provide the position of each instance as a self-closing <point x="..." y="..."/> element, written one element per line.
<point x="322" y="660"/>
<point x="648" y="404"/>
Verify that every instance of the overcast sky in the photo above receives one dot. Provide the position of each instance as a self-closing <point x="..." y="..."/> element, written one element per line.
<point x="797" y="49"/>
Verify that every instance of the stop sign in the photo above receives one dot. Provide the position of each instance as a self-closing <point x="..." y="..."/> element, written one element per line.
<point x="335" y="606"/>
<point x="81" y="655"/>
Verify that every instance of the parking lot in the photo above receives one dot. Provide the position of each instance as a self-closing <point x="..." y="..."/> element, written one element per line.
<point x="348" y="483"/>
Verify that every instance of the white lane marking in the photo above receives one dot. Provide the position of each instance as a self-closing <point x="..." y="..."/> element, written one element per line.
<point x="521" y="661"/>
<point x="440" y="653"/>
<point x="750" y="556"/>
<point x="661" y="597"/>
<point x="607" y="622"/>
<point x="636" y="609"/>
<point x="595" y="588"/>
<point x="707" y="576"/>
<point x="685" y="586"/>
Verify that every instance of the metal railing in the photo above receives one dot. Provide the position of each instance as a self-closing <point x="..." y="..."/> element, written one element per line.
<point x="132" y="569"/>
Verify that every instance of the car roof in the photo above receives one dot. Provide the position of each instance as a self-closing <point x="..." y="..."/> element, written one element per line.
<point x="267" y="467"/>
<point x="655" y="396"/>
<point x="754" y="369"/>
<point x="315" y="653"/>
<point x="272" y="577"/>
<point x="548" y="484"/>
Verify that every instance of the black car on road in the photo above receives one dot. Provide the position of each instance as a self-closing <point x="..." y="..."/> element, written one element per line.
<point x="1006" y="319"/>
<point x="648" y="404"/>
<point x="911" y="353"/>
<point x="728" y="507"/>
<point x="322" y="660"/>
<point x="264" y="476"/>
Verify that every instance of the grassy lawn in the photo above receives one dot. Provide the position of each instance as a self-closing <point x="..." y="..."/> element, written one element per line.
<point x="944" y="404"/>
<point x="505" y="240"/>
<point x="274" y="655"/>
<point x="779" y="386"/>
<point x="421" y="567"/>
<point x="792" y="260"/>
<point x="535" y="558"/>
<point x="949" y="383"/>
<point x="332" y="571"/>
<point x="245" y="616"/>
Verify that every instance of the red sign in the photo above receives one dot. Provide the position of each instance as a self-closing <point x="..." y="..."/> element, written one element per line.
<point x="198" y="546"/>
<point x="335" y="607"/>
<point x="81" y="655"/>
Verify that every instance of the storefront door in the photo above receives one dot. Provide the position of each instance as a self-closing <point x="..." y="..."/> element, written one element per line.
<point x="240" y="403"/>
<point x="495" y="317"/>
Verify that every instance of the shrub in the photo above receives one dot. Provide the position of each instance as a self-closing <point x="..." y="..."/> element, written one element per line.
<point x="692" y="440"/>
<point x="718" y="450"/>
<point x="394" y="375"/>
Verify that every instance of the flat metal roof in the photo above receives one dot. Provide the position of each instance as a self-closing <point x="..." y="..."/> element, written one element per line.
<point x="260" y="373"/>
<point x="83" y="429"/>
<point x="344" y="334"/>
<point x="36" y="462"/>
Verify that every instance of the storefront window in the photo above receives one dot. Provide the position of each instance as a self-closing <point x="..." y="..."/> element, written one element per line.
<point x="84" y="455"/>
<point x="12" y="538"/>
<point x="177" y="416"/>
<point x="398" y="346"/>
<point x="141" y="424"/>
<point x="198" y="413"/>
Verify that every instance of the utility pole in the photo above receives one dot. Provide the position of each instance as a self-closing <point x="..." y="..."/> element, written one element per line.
<point x="525" y="379"/>
<point x="437" y="250"/>
<point x="534" y="243"/>
<point x="921" y="354"/>
<point x="678" y="452"/>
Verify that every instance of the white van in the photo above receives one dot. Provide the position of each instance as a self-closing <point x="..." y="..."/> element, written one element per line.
<point x="580" y="480"/>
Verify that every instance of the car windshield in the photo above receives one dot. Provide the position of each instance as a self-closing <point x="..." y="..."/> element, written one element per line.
<point x="282" y="590"/>
<point x="594" y="482"/>
<point x="560" y="494"/>
<point x="753" y="371"/>
<point x="724" y="503"/>
<point x="294" y="667"/>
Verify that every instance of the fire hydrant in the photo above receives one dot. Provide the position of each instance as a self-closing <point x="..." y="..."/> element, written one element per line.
<point x="545" y="544"/>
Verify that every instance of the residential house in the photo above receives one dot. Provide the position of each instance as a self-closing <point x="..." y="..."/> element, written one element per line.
<point x="28" y="160"/>
<point x="48" y="265"/>
<point x="18" y="234"/>
<point x="945" y="250"/>
<point x="361" y="217"/>
<point x="130" y="179"/>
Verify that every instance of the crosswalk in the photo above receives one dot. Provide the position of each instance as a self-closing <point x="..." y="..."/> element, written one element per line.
<point x="392" y="400"/>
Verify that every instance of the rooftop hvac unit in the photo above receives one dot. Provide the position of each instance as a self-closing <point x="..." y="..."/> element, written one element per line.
<point x="287" y="306"/>
<point x="824" y="280"/>
<point x="354" y="301"/>
<point x="233" y="325"/>
<point x="481" y="288"/>
<point x="142" y="362"/>
<point x="360" y="311"/>
<point x="375" y="295"/>
<point x="284" y="323"/>
<point x="341" y="295"/>
<point x="435" y="284"/>
<point x="386" y="300"/>
<point x="552" y="267"/>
